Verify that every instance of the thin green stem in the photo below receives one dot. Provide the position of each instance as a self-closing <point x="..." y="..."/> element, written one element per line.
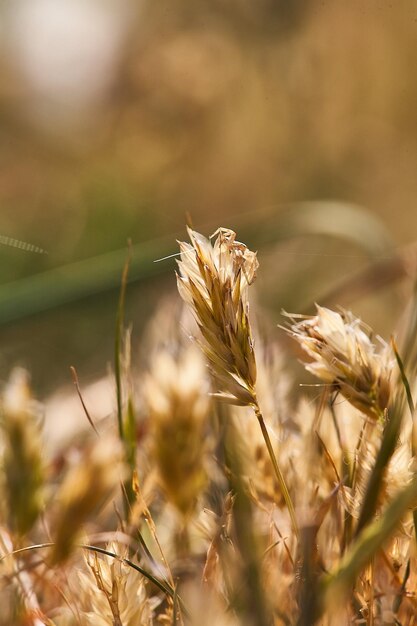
<point x="280" y="478"/>
<point x="118" y="345"/>
<point x="411" y="407"/>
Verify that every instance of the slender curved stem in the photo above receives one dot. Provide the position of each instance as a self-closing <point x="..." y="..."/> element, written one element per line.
<point x="164" y="586"/>
<point x="280" y="478"/>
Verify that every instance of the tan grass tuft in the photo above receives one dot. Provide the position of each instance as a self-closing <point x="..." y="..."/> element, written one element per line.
<point x="177" y="397"/>
<point x="107" y="592"/>
<point x="218" y="542"/>
<point x="341" y="353"/>
<point x="22" y="456"/>
<point x="85" y="489"/>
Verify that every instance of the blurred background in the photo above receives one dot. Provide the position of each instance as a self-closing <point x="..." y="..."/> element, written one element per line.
<point x="293" y="123"/>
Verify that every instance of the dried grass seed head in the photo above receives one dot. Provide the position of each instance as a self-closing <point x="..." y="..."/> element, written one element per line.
<point x="342" y="354"/>
<point x="107" y="592"/>
<point x="177" y="395"/>
<point x="22" y="454"/>
<point x="85" y="489"/>
<point x="214" y="280"/>
<point x="398" y="475"/>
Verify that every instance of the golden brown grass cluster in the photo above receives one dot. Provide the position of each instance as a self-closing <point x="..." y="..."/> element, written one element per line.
<point x="213" y="496"/>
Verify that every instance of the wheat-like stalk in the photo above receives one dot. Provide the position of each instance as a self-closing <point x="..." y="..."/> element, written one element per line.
<point x="341" y="353"/>
<point x="214" y="281"/>
<point x="215" y="544"/>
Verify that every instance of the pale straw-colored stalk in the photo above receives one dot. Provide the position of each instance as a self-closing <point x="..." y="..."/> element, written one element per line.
<point x="214" y="281"/>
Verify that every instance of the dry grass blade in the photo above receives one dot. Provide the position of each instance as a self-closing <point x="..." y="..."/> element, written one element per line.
<point x="407" y="338"/>
<point x="77" y="387"/>
<point x="404" y="379"/>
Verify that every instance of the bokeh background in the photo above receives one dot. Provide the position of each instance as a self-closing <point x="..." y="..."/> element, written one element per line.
<point x="119" y="117"/>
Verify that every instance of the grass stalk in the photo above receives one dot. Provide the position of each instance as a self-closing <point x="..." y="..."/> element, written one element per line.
<point x="125" y="423"/>
<point x="118" y="345"/>
<point x="253" y="602"/>
<point x="163" y="586"/>
<point x="279" y="476"/>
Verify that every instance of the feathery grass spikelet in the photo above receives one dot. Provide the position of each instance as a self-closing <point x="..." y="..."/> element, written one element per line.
<point x="177" y="397"/>
<point x="85" y="489"/>
<point x="398" y="475"/>
<point x="22" y="455"/>
<point x="107" y="592"/>
<point x="214" y="280"/>
<point x="342" y="354"/>
<point x="220" y="546"/>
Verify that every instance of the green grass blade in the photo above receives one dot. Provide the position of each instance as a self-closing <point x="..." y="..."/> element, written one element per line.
<point x="369" y="541"/>
<point x="386" y="450"/>
<point x="411" y="407"/>
<point x="163" y="586"/>
<point x="129" y="432"/>
<point x="404" y="378"/>
<point x="118" y="345"/>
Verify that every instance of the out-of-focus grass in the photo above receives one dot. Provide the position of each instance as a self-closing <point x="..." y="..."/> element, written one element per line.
<point x="210" y="109"/>
<point x="218" y="110"/>
<point x="214" y="110"/>
<point x="308" y="520"/>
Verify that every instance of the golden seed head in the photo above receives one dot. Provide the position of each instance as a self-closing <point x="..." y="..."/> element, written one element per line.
<point x="108" y="592"/>
<point x="22" y="455"/>
<point x="178" y="402"/>
<point x="85" y="489"/>
<point x="214" y="280"/>
<point x="342" y="354"/>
